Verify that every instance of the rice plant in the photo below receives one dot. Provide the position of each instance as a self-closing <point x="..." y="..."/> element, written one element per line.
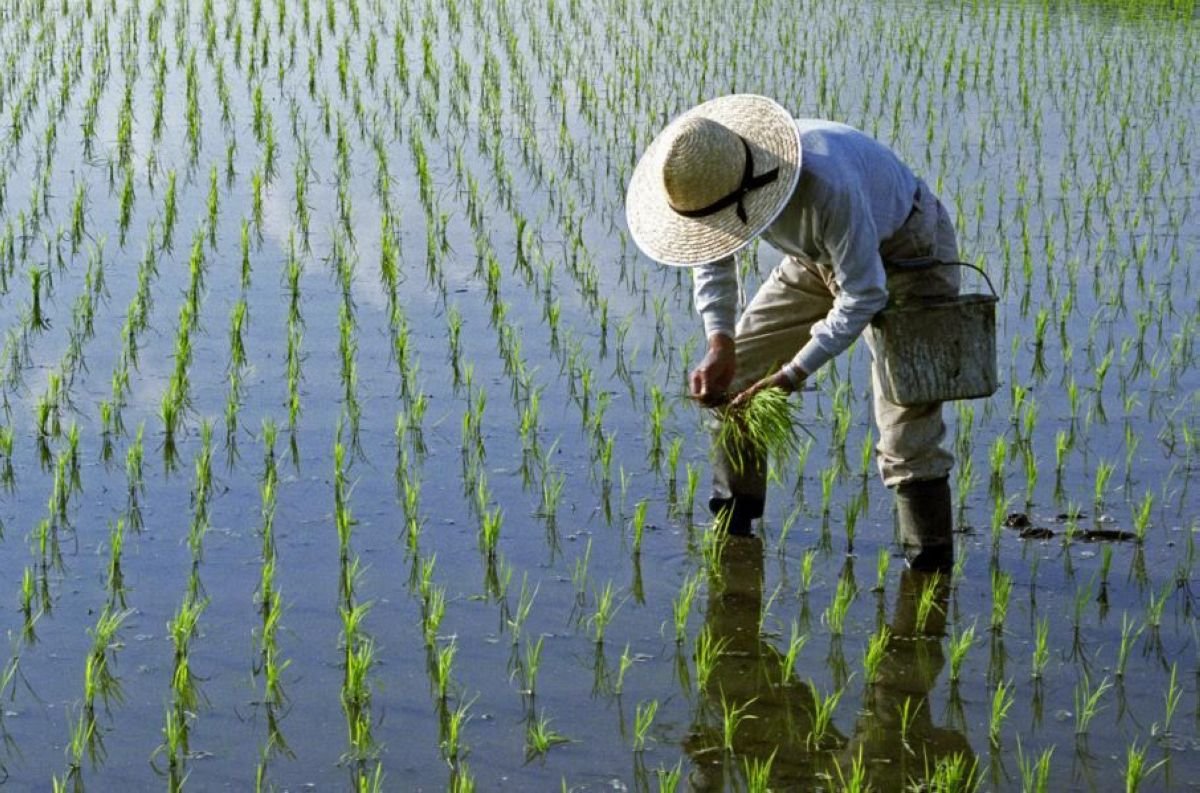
<point x="760" y="427"/>
<point x="540" y="737"/>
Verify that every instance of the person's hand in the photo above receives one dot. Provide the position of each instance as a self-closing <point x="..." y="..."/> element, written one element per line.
<point x="710" y="380"/>
<point x="778" y="380"/>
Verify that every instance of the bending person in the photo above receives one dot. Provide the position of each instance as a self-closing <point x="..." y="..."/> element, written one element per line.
<point x="838" y="205"/>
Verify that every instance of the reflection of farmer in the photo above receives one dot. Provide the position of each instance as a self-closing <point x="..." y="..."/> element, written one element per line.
<point x="749" y="675"/>
<point x="838" y="204"/>
<point x="896" y="753"/>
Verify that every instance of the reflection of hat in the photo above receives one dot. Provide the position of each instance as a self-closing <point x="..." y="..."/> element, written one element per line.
<point x="713" y="180"/>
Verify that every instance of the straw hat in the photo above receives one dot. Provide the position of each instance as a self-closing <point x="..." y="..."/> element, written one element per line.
<point x="713" y="180"/>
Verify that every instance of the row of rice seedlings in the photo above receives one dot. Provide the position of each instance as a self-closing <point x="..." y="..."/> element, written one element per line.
<point x="355" y="644"/>
<point x="185" y="693"/>
<point x="99" y="681"/>
<point x="176" y="398"/>
<point x="270" y="664"/>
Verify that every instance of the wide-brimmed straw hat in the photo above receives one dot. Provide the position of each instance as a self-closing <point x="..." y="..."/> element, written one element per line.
<point x="713" y="179"/>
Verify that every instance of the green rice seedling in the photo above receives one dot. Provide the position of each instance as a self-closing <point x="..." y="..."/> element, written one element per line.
<point x="867" y="452"/>
<point x="170" y="211"/>
<point x="533" y="662"/>
<point x="461" y="779"/>
<point x="214" y="205"/>
<point x="853" y="508"/>
<point x="82" y="738"/>
<point x="689" y="499"/>
<point x="1156" y="604"/>
<point x="796" y="642"/>
<point x="1136" y="771"/>
<point x="28" y="593"/>
<point x="877" y="647"/>
<point x="907" y="713"/>
<point x="954" y="771"/>
<point x="709" y="650"/>
<point x="174" y="745"/>
<point x="732" y="716"/>
<point x="365" y="782"/>
<point x="579" y="573"/>
<point x="356" y="695"/>
<point x="128" y="196"/>
<point x="669" y="779"/>
<point x="1171" y="697"/>
<point x="828" y="479"/>
<point x="443" y="668"/>
<point x="959" y="645"/>
<point x="713" y="544"/>
<point x="452" y="729"/>
<point x="834" y="616"/>
<point x="7" y="471"/>
<point x="425" y="577"/>
<point x="824" y="707"/>
<point x="490" y="522"/>
<point x="1002" y="701"/>
<point x="623" y="665"/>
<point x="639" y="523"/>
<point x="432" y="613"/>
<point x="1002" y="584"/>
<point x="1063" y="444"/>
<point x="682" y="604"/>
<point x="642" y="719"/>
<point x="1087" y="702"/>
<point x="1031" y="474"/>
<point x="927" y="600"/>
<point x="673" y="451"/>
<point x="116" y="578"/>
<point x="997" y="459"/>
<point x="1000" y="509"/>
<point x="539" y="737"/>
<point x="764" y="610"/>
<point x="1035" y="774"/>
<point x="856" y="782"/>
<point x="1128" y="635"/>
<point x="1106" y="557"/>
<point x="1104" y="471"/>
<point x="1141" y="516"/>
<point x="763" y="425"/>
<point x="806" y="570"/>
<point x="181" y="629"/>
<point x="1041" y="647"/>
<point x="606" y="608"/>
<point x="524" y="605"/>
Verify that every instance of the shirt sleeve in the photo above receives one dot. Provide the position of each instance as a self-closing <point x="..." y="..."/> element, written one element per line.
<point x="715" y="293"/>
<point x="849" y="236"/>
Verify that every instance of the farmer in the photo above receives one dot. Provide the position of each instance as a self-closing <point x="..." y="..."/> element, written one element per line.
<point x="846" y="213"/>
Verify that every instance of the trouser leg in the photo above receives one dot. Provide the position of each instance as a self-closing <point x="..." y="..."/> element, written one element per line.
<point x="773" y="327"/>
<point x="911" y="456"/>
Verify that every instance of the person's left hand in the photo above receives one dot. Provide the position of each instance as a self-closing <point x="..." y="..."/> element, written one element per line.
<point x="778" y="380"/>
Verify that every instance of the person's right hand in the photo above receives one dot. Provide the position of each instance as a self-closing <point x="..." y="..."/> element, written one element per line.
<point x="710" y="380"/>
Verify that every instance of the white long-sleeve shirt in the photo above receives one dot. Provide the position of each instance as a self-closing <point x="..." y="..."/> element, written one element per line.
<point x="853" y="194"/>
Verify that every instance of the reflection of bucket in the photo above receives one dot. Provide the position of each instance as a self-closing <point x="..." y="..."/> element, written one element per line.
<point x="938" y="349"/>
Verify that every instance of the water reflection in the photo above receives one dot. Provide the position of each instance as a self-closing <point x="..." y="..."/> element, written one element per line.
<point x="754" y="715"/>
<point x="895" y="731"/>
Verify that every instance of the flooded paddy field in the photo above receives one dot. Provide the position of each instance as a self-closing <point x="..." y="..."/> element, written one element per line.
<point x="344" y="440"/>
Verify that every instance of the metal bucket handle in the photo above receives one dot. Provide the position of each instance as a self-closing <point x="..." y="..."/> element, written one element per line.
<point x="929" y="264"/>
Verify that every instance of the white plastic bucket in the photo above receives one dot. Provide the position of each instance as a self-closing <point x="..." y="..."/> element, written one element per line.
<point x="939" y="349"/>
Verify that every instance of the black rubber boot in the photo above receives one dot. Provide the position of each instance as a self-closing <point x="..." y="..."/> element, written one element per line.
<point x="736" y="514"/>
<point x="925" y="519"/>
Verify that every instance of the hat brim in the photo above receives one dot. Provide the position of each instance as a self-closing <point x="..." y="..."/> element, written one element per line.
<point x="670" y="238"/>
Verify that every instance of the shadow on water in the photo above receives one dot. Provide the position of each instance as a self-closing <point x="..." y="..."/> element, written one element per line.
<point x="777" y="730"/>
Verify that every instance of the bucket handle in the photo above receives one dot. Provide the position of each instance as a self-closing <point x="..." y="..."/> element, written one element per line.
<point x="930" y="263"/>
